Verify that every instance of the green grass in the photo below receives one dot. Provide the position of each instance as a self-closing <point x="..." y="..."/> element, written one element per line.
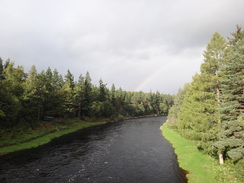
<point x="190" y="158"/>
<point x="202" y="168"/>
<point x="42" y="136"/>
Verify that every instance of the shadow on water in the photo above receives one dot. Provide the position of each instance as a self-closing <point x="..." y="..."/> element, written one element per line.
<point x="127" y="151"/>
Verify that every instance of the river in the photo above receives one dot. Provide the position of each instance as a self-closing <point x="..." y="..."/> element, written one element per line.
<point x="130" y="151"/>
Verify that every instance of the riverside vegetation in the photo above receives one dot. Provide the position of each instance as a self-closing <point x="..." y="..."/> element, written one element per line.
<point x="208" y="112"/>
<point x="21" y="138"/>
<point x="46" y="104"/>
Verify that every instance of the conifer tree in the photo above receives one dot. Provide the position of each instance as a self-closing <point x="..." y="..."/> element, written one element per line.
<point x="31" y="100"/>
<point x="69" y="80"/>
<point x="87" y="93"/>
<point x="57" y="80"/>
<point x="68" y="93"/>
<point x="231" y="141"/>
<point x="199" y="113"/>
<point x="102" y="91"/>
<point x="32" y="79"/>
<point x="79" y="96"/>
<point x="211" y="68"/>
<point x="197" y="117"/>
<point x="175" y="109"/>
<point x="1" y="70"/>
<point x="11" y="93"/>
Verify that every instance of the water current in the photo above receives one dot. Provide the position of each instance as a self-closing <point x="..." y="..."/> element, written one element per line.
<point x="130" y="151"/>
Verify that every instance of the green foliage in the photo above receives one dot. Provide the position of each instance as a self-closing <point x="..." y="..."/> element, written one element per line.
<point x="210" y="110"/>
<point x="231" y="140"/>
<point x="175" y="109"/>
<point x="1" y="70"/>
<point x="42" y="134"/>
<point x="29" y="98"/>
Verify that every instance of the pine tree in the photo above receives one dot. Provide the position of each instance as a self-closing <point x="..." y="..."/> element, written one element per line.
<point x="102" y="91"/>
<point x="87" y="93"/>
<point x="32" y="79"/>
<point x="231" y="141"/>
<point x="68" y="94"/>
<point x="79" y="96"/>
<point x="175" y="109"/>
<point x="31" y="99"/>
<point x="57" y="80"/>
<point x="199" y="115"/>
<point x="69" y="80"/>
<point x="1" y="70"/>
<point x="11" y="93"/>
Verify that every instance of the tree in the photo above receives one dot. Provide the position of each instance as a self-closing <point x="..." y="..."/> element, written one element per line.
<point x="31" y="100"/>
<point x="102" y="91"/>
<point x="9" y="108"/>
<point x="231" y="141"/>
<point x="87" y="94"/>
<point x="31" y="82"/>
<point x="57" y="80"/>
<point x="69" y="80"/>
<point x="199" y="117"/>
<point x="214" y="61"/>
<point x="1" y="70"/>
<point x="175" y="109"/>
<point x="68" y="95"/>
<point x="155" y="102"/>
<point x="79" y="96"/>
<point x="11" y="92"/>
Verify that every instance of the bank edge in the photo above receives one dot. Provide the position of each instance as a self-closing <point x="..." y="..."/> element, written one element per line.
<point x="198" y="165"/>
<point x="46" y="138"/>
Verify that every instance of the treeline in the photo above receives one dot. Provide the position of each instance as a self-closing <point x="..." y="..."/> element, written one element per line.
<point x="30" y="97"/>
<point x="209" y="110"/>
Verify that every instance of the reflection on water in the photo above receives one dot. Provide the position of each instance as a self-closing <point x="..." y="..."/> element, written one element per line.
<point x="122" y="152"/>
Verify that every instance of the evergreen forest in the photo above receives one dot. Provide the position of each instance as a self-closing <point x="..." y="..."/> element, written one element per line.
<point x="28" y="98"/>
<point x="209" y="110"/>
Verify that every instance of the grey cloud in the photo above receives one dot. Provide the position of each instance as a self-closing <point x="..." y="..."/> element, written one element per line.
<point x="120" y="41"/>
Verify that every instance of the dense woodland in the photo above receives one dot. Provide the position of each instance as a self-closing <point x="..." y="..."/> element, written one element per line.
<point x="31" y="97"/>
<point x="209" y="110"/>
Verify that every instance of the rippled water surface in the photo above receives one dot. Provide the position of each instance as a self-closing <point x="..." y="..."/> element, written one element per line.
<point x="131" y="151"/>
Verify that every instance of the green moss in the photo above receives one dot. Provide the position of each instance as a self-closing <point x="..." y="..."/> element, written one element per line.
<point x="190" y="158"/>
<point x="41" y="138"/>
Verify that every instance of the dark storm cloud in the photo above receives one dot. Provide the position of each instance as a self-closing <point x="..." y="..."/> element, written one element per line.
<point x="121" y="41"/>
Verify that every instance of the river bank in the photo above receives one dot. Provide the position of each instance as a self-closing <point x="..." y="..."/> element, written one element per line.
<point x="200" y="167"/>
<point x="25" y="138"/>
<point x="128" y="151"/>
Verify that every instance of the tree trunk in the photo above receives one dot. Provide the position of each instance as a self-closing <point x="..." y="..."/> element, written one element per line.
<point x="79" y="109"/>
<point x="221" y="159"/>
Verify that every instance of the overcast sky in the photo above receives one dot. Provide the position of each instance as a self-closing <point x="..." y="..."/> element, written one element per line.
<point x="136" y="44"/>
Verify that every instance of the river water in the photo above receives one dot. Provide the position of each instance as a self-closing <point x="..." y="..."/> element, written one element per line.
<point x="130" y="151"/>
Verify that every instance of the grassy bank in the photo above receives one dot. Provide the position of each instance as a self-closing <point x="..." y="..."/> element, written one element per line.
<point x="24" y="137"/>
<point x="190" y="158"/>
<point x="20" y="138"/>
<point x="201" y="167"/>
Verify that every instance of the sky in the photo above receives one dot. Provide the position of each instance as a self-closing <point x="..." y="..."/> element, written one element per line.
<point x="138" y="45"/>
